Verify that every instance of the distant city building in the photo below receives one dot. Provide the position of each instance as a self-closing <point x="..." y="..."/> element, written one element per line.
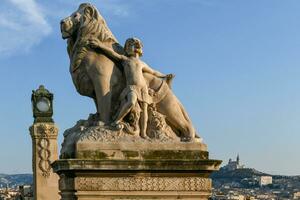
<point x="233" y="165"/>
<point x="265" y="180"/>
<point x="26" y="192"/>
<point x="8" y="194"/>
<point x="236" y="197"/>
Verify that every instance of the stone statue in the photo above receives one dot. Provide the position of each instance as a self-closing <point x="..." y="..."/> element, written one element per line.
<point x="136" y="90"/>
<point x="141" y="143"/>
<point x="125" y="90"/>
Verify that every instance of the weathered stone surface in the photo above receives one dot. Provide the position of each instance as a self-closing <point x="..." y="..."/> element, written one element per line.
<point x="136" y="165"/>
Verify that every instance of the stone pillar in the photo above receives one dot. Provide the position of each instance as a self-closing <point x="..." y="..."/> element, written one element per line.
<point x="44" y="152"/>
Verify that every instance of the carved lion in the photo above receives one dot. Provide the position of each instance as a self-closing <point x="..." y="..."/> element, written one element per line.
<point x="93" y="74"/>
<point x="96" y="76"/>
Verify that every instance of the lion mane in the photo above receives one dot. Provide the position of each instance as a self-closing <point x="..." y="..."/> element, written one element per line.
<point x="91" y="25"/>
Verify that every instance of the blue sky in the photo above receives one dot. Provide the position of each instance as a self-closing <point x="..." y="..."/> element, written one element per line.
<point x="236" y="64"/>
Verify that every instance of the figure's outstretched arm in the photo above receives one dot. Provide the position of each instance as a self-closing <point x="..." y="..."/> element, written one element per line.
<point x="96" y="44"/>
<point x="149" y="70"/>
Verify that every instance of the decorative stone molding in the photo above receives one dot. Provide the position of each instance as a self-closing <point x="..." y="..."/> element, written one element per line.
<point x="44" y="155"/>
<point x="142" y="184"/>
<point x="43" y="130"/>
<point x="106" y="179"/>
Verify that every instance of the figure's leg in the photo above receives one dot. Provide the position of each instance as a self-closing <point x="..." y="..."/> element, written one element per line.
<point x="126" y="108"/>
<point x="100" y="70"/>
<point x="144" y="119"/>
<point x="97" y="114"/>
<point x="117" y="113"/>
<point x="103" y="97"/>
<point x="94" y="118"/>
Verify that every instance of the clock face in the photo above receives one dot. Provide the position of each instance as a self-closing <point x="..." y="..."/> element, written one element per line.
<point x="43" y="105"/>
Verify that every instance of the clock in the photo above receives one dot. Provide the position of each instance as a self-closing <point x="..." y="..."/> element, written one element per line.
<point x="43" y="105"/>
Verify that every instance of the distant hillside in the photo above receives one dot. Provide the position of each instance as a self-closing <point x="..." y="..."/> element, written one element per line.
<point x="247" y="178"/>
<point x="15" y="179"/>
<point x="237" y="174"/>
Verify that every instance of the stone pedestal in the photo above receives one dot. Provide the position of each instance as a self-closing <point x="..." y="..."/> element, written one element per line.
<point x="105" y="179"/>
<point x="44" y="152"/>
<point x="127" y="170"/>
<point x="98" y="162"/>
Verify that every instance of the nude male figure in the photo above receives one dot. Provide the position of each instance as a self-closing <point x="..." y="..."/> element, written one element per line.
<point x="136" y="90"/>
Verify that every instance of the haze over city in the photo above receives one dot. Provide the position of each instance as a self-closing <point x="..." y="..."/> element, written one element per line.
<point x="236" y="65"/>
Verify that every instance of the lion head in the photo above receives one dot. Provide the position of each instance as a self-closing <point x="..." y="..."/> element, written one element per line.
<point x="85" y="23"/>
<point x="86" y="20"/>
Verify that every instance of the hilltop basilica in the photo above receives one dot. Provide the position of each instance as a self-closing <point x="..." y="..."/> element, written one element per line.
<point x="233" y="165"/>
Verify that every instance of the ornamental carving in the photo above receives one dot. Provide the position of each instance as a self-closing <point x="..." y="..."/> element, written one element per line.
<point x="43" y="134"/>
<point x="142" y="184"/>
<point x="46" y="130"/>
<point x="44" y="155"/>
<point x="43" y="130"/>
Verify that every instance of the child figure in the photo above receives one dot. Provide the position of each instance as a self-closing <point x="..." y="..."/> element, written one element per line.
<point x="136" y="90"/>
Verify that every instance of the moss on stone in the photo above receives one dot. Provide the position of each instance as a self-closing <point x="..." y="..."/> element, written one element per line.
<point x="95" y="155"/>
<point x="146" y="155"/>
<point x="130" y="154"/>
<point x="170" y="154"/>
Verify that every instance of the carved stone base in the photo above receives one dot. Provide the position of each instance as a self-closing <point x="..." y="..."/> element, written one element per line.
<point x="97" y="162"/>
<point x="84" y="140"/>
<point x="134" y="179"/>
